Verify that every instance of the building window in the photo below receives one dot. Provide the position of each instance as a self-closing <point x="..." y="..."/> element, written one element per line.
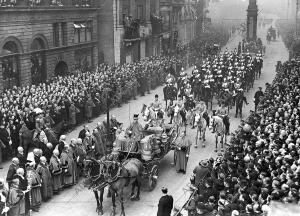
<point x="83" y="31"/>
<point x="64" y="32"/>
<point x="89" y="31"/>
<point x="56" y="34"/>
<point x="140" y="12"/>
<point x="10" y="65"/>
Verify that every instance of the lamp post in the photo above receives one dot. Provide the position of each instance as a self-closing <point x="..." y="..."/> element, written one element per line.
<point x="107" y="91"/>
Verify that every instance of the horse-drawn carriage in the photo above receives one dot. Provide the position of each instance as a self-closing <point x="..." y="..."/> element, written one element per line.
<point x="128" y="165"/>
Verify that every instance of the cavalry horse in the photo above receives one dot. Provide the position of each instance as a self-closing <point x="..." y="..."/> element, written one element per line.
<point x="117" y="176"/>
<point x="178" y="122"/>
<point x="201" y="124"/>
<point x="220" y="131"/>
<point x="154" y="114"/>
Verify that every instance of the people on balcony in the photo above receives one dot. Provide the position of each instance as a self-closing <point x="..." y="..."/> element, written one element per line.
<point x="8" y="3"/>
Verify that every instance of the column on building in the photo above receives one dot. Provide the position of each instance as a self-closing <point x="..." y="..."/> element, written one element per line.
<point x="1" y="76"/>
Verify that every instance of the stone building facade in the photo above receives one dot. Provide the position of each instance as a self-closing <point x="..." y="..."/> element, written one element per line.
<point x="129" y="30"/>
<point x="40" y="39"/>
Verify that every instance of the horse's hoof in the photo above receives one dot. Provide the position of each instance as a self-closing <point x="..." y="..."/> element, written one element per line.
<point x="222" y="150"/>
<point x="196" y="146"/>
<point x="204" y="139"/>
<point x="216" y="150"/>
<point x="203" y="146"/>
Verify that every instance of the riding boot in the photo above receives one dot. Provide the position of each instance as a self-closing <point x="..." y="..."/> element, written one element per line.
<point x="171" y="120"/>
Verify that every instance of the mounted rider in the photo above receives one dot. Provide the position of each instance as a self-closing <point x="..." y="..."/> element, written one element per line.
<point x="170" y="79"/>
<point x="223" y="113"/>
<point x="156" y="106"/>
<point x="201" y="109"/>
<point x="180" y="104"/>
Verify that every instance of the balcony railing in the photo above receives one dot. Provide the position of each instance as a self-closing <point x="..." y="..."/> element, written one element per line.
<point x="132" y="28"/>
<point x="46" y="3"/>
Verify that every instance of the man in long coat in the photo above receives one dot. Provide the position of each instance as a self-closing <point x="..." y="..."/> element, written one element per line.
<point x="55" y="169"/>
<point x="3" y="197"/>
<point x="73" y="155"/>
<point x="34" y="182"/>
<point x="165" y="204"/>
<point x="67" y="166"/>
<point x="12" y="170"/>
<point x="89" y="105"/>
<point x="100" y="146"/>
<point x="45" y="175"/>
<point x="72" y="115"/>
<point x="15" y="199"/>
<point x="182" y="152"/>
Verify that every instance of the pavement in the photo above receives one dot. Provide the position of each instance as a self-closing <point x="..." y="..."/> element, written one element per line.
<point x="78" y="201"/>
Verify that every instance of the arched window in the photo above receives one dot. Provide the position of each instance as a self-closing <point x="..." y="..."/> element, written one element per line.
<point x="38" y="64"/>
<point x="61" y="69"/>
<point x="10" y="64"/>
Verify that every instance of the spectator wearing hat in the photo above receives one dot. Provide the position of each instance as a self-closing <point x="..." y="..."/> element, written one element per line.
<point x="3" y="197"/>
<point x="48" y="152"/>
<point x="5" y="142"/>
<point x="100" y="146"/>
<point x="239" y="101"/>
<point x="46" y="179"/>
<point x="136" y="128"/>
<point x="56" y="171"/>
<point x="12" y="170"/>
<point x="182" y="152"/>
<point x="15" y="200"/>
<point x="21" y="157"/>
<point x="61" y="144"/>
<point x="24" y="187"/>
<point x="165" y="204"/>
<point x="67" y="166"/>
<point x="81" y="155"/>
<point x="34" y="183"/>
<point x="72" y="115"/>
<point x="73" y="154"/>
<point x="257" y="97"/>
<point x="89" y="105"/>
<point x="82" y="133"/>
<point x="201" y="171"/>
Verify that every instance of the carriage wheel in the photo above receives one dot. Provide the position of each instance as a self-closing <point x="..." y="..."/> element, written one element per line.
<point x="153" y="176"/>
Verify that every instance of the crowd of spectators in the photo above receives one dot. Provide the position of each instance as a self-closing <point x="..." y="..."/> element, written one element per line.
<point x="261" y="164"/>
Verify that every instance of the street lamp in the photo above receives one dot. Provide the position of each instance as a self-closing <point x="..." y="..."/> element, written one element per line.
<point x="107" y="91"/>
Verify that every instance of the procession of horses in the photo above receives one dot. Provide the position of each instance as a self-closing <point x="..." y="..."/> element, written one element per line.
<point x="222" y="78"/>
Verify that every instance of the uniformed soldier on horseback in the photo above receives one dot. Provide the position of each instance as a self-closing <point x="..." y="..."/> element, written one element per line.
<point x="201" y="109"/>
<point x="156" y="106"/>
<point x="223" y="113"/>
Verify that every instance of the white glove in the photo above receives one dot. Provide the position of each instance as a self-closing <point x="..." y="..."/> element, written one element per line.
<point x="5" y="210"/>
<point x="10" y="142"/>
<point x="77" y="159"/>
